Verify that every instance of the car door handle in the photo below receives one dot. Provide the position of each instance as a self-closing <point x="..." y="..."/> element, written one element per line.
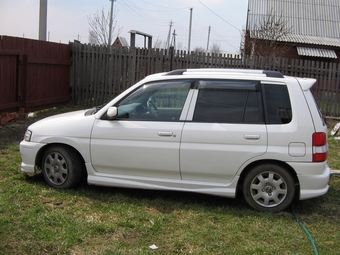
<point x="165" y="133"/>
<point x="252" y="137"/>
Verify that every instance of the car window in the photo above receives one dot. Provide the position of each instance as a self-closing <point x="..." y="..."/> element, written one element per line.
<point x="158" y="101"/>
<point x="279" y="110"/>
<point x="228" y="105"/>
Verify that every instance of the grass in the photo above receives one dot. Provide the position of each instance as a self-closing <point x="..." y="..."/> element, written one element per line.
<point x="37" y="219"/>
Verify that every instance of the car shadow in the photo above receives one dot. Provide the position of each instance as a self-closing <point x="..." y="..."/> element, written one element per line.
<point x="170" y="201"/>
<point x="162" y="201"/>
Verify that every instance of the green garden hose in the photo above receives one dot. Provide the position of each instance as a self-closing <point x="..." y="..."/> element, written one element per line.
<point x="306" y="231"/>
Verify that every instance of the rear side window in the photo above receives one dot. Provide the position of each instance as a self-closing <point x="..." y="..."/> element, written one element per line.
<point x="278" y="107"/>
<point x="228" y="102"/>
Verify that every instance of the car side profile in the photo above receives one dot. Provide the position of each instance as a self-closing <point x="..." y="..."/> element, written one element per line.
<point x="211" y="131"/>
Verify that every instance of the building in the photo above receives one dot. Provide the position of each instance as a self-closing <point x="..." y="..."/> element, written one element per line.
<point x="120" y="42"/>
<point x="311" y="28"/>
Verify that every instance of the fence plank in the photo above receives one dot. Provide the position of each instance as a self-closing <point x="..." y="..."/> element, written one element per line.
<point x="337" y="98"/>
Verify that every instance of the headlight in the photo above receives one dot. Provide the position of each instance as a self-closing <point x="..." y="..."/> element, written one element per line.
<point x="27" y="136"/>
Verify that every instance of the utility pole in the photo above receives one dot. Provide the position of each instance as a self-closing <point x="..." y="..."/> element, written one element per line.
<point x="173" y="41"/>
<point x="208" y="39"/>
<point x="43" y="20"/>
<point x="168" y="40"/>
<point x="110" y="26"/>
<point x="190" y="31"/>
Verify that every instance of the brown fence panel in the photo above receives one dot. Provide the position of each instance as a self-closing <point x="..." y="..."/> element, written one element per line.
<point x="34" y="74"/>
<point x="10" y="90"/>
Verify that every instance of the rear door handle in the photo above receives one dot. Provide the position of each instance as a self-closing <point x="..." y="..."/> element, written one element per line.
<point x="252" y="137"/>
<point x="165" y="133"/>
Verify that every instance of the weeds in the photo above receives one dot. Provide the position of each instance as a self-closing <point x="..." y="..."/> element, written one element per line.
<point x="37" y="219"/>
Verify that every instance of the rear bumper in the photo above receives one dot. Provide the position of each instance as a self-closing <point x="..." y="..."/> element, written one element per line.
<point x="313" y="179"/>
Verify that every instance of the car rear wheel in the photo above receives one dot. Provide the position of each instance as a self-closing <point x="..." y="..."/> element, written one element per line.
<point x="269" y="188"/>
<point x="61" y="167"/>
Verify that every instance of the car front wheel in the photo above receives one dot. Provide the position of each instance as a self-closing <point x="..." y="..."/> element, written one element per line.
<point x="269" y="188"/>
<point x="61" y="167"/>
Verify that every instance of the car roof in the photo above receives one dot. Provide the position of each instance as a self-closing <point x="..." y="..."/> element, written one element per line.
<point x="246" y="74"/>
<point x="211" y="71"/>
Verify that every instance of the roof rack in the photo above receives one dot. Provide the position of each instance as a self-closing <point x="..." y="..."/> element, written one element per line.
<point x="268" y="73"/>
<point x="176" y="72"/>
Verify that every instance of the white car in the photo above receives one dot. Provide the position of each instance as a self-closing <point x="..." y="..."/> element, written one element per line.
<point x="212" y="131"/>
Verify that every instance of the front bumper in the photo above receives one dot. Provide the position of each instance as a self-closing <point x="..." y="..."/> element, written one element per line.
<point x="29" y="152"/>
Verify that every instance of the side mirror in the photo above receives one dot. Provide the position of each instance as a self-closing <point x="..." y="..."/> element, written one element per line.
<point x="112" y="112"/>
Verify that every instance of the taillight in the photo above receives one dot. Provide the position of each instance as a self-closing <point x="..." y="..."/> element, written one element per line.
<point x="320" y="147"/>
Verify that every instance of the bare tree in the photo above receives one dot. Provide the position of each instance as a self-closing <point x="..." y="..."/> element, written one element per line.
<point x="92" y="37"/>
<point x="267" y="38"/>
<point x="215" y="48"/>
<point x="179" y="46"/>
<point x="199" y="49"/>
<point x="159" y="44"/>
<point x="99" y="28"/>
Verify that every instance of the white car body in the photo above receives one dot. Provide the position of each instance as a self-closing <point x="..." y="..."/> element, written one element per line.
<point x="185" y="155"/>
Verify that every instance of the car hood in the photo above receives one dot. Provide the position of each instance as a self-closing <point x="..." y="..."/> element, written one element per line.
<point x="72" y="124"/>
<point x="63" y="117"/>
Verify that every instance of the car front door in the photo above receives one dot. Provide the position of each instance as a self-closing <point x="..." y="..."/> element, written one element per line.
<point x="143" y="139"/>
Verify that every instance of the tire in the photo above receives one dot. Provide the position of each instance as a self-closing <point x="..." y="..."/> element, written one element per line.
<point x="269" y="188"/>
<point x="61" y="167"/>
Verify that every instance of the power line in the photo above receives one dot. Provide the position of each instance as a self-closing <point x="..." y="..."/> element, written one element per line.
<point x="135" y="10"/>
<point x="140" y="13"/>
<point x="220" y="16"/>
<point x="198" y="35"/>
<point x="170" y="8"/>
<point x="225" y="39"/>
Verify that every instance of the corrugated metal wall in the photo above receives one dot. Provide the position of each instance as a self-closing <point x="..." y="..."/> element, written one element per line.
<point x="306" y="17"/>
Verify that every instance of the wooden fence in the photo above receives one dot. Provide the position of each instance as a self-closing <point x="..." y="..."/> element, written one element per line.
<point x="99" y="74"/>
<point x="33" y="74"/>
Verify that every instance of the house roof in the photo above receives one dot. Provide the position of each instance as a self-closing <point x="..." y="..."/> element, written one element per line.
<point x="123" y="41"/>
<point x="306" y="39"/>
<point x="314" y="18"/>
<point x="309" y="39"/>
<point x="316" y="52"/>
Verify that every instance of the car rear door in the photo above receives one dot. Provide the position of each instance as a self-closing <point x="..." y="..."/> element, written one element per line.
<point x="225" y="129"/>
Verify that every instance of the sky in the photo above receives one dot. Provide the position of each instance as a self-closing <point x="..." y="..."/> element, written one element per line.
<point x="68" y="20"/>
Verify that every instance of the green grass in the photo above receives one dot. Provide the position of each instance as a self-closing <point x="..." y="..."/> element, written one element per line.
<point x="334" y="155"/>
<point x="37" y="219"/>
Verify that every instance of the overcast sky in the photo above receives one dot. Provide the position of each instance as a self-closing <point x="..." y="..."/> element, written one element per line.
<point x="68" y="20"/>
